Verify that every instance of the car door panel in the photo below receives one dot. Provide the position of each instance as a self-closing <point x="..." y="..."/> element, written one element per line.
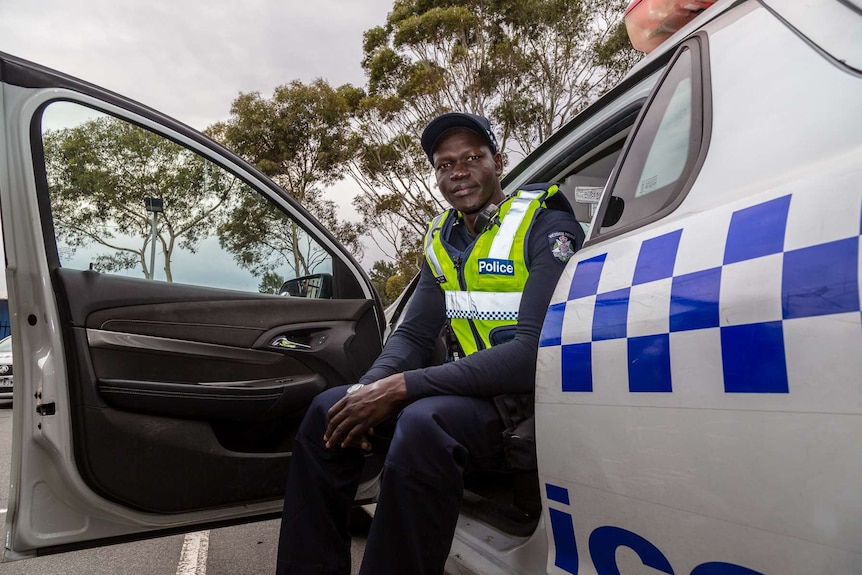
<point x="195" y="387"/>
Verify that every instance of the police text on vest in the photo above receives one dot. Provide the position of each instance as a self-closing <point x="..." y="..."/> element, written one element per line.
<point x="496" y="267"/>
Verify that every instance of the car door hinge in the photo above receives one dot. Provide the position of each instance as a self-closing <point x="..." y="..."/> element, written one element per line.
<point x="46" y="408"/>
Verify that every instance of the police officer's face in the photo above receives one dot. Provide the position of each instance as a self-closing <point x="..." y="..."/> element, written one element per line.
<point x="468" y="174"/>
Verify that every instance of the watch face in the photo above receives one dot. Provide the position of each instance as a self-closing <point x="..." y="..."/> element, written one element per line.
<point x="355" y="387"/>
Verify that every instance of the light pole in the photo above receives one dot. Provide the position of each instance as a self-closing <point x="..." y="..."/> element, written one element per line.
<point x="154" y="206"/>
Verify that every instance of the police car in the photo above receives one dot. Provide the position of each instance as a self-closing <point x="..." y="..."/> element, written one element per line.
<point x="698" y="392"/>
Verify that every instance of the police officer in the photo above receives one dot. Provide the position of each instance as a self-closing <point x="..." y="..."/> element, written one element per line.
<point x="491" y="266"/>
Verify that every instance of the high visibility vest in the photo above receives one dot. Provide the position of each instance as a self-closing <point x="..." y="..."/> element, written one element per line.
<point x="483" y="287"/>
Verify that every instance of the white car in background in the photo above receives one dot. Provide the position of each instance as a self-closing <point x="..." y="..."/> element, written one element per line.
<point x="699" y="381"/>
<point x="6" y="367"/>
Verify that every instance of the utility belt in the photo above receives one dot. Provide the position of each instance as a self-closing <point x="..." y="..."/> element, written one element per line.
<point x="518" y="412"/>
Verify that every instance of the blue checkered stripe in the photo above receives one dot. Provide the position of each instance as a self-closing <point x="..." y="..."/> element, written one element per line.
<point x="756" y="274"/>
<point x="482" y="315"/>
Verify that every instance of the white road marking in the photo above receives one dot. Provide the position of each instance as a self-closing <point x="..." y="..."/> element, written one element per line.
<point x="193" y="557"/>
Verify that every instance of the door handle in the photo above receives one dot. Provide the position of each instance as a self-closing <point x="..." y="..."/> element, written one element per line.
<point x="281" y="342"/>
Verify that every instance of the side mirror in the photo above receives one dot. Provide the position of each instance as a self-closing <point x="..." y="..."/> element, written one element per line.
<point x="614" y="212"/>
<point x="315" y="286"/>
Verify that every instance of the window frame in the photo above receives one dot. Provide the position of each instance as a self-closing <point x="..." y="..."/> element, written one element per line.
<point x="347" y="288"/>
<point x="701" y="130"/>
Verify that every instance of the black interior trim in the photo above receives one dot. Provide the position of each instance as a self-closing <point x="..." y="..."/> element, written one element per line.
<point x="170" y="465"/>
<point x="256" y="400"/>
<point x="152" y="534"/>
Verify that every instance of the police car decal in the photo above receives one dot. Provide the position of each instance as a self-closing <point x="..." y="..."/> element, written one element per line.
<point x="767" y="270"/>
<point x="605" y="540"/>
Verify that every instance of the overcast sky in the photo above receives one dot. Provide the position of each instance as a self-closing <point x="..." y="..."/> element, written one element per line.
<point x="190" y="59"/>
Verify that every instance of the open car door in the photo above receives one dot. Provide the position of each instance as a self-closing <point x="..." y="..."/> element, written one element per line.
<point x="156" y="390"/>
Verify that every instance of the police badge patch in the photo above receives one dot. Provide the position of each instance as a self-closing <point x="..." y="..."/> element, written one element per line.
<point x="562" y="245"/>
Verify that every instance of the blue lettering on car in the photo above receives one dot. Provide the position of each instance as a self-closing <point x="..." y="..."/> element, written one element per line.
<point x="605" y="540"/>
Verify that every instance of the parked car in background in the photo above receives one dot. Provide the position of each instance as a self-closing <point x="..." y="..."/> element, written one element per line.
<point x="6" y="368"/>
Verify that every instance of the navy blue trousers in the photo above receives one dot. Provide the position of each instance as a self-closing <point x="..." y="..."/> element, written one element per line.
<point x="428" y="446"/>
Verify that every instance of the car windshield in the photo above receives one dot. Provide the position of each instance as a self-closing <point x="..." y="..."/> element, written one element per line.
<point x="6" y="344"/>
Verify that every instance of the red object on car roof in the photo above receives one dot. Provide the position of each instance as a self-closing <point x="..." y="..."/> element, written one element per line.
<point x="651" y="22"/>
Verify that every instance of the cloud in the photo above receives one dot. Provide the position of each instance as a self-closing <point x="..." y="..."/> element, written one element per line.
<point x="191" y="59"/>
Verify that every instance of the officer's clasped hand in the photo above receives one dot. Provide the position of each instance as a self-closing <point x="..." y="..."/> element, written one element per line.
<point x="352" y="419"/>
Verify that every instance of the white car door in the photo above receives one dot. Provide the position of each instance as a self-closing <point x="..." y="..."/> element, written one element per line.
<point x="149" y="405"/>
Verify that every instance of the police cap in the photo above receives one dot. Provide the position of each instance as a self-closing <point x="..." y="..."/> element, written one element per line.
<point x="439" y="125"/>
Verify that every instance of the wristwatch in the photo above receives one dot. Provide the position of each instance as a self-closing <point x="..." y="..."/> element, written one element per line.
<point x="355" y="387"/>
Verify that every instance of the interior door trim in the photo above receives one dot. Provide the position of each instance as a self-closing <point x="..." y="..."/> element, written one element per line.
<point x="98" y="338"/>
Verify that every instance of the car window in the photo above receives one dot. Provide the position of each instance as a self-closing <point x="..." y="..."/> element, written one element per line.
<point x="125" y="200"/>
<point x="662" y="151"/>
<point x="670" y="146"/>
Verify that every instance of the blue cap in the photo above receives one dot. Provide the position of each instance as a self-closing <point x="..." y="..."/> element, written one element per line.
<point x="475" y="123"/>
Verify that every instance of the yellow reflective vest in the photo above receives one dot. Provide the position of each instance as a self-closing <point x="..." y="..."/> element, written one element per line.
<point x="483" y="290"/>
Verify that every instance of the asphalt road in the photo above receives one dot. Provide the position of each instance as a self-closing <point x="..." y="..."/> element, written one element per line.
<point x="241" y="550"/>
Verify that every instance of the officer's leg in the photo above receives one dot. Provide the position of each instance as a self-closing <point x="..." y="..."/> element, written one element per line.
<point x="422" y="485"/>
<point x="321" y="486"/>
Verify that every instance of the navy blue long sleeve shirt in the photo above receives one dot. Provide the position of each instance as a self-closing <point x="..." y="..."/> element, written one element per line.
<point x="509" y="367"/>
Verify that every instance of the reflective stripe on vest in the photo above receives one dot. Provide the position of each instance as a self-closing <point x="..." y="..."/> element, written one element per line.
<point x="485" y="305"/>
<point x="430" y="255"/>
<point x="505" y="237"/>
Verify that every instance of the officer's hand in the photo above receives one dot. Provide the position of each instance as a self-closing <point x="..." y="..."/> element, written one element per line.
<point x="353" y="417"/>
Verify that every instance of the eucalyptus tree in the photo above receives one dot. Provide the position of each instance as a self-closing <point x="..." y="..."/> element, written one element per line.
<point x="529" y="65"/>
<point x="301" y="138"/>
<point x="99" y="174"/>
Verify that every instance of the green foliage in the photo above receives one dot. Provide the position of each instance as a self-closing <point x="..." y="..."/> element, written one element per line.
<point x="437" y="25"/>
<point x="374" y="39"/>
<point x="99" y="174"/>
<point x="390" y="278"/>
<point x="380" y="274"/>
<point x="352" y="95"/>
<point x="300" y="137"/>
<point x="270" y="282"/>
<point x="262" y="239"/>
